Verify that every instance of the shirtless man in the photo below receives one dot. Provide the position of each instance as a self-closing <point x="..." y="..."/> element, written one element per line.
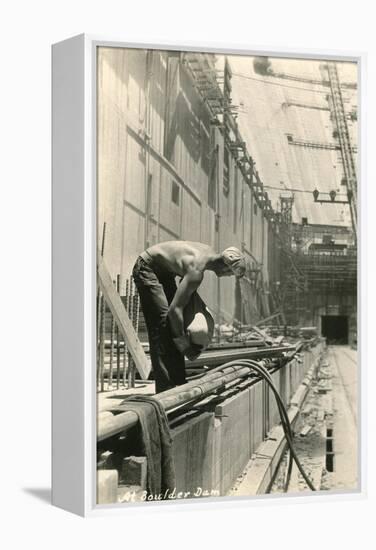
<point x="163" y="302"/>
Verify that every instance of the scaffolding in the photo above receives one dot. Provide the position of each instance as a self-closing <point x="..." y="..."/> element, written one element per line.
<point x="207" y="82"/>
<point x="305" y="105"/>
<point x="292" y="279"/>
<point x="303" y="272"/>
<point x="321" y="262"/>
<point x="314" y="81"/>
<point x="331" y="271"/>
<point x="346" y="147"/>
<point x="317" y="144"/>
<point x="205" y="77"/>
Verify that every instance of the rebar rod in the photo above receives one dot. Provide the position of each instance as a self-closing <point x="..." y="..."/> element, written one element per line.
<point x="102" y="343"/>
<point x="117" y="341"/>
<point x="130" y="315"/>
<point x="112" y="340"/>
<point x="125" y="351"/>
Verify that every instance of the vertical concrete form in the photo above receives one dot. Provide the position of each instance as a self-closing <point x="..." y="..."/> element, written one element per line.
<point x="274" y="417"/>
<point x="285" y="384"/>
<point x="193" y="453"/>
<point x="235" y="437"/>
<point x="257" y="407"/>
<point x="216" y="461"/>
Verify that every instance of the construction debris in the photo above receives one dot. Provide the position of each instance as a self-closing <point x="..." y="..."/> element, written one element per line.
<point x="305" y="430"/>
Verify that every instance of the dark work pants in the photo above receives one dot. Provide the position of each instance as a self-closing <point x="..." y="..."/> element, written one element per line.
<point x="157" y="288"/>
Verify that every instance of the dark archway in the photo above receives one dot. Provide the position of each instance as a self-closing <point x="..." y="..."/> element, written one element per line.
<point x="335" y="328"/>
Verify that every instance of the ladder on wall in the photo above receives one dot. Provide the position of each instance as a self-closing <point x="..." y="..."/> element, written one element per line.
<point x="346" y="147"/>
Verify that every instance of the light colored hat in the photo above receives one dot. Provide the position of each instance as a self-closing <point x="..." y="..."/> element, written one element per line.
<point x="201" y="329"/>
<point x="198" y="321"/>
<point x="235" y="260"/>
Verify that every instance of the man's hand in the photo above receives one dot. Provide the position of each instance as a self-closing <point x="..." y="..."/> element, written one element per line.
<point x="193" y="352"/>
<point x="182" y="343"/>
<point x="187" y="348"/>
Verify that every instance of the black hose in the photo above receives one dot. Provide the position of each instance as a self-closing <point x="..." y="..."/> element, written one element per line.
<point x="286" y="426"/>
<point x="285" y="421"/>
<point x="283" y="413"/>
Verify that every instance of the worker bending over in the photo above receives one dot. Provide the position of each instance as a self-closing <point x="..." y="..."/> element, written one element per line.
<point x="163" y="302"/>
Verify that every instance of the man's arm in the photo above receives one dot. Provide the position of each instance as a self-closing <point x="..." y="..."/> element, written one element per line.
<point x="191" y="281"/>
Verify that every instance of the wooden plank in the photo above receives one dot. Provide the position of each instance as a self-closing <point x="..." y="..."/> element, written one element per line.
<point x="267" y="319"/>
<point x="263" y="334"/>
<point x="305" y="430"/>
<point x="125" y="326"/>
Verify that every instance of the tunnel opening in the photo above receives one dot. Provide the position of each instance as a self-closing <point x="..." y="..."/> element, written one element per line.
<point x="335" y="329"/>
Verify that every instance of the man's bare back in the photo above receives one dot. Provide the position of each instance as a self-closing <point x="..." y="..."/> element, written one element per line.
<point x="180" y="257"/>
<point x="189" y="260"/>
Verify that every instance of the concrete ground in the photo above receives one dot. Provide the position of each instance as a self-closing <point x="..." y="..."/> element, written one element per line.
<point x="327" y="424"/>
<point x="343" y="361"/>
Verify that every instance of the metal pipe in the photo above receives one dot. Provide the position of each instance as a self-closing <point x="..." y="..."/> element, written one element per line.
<point x="214" y="374"/>
<point x="218" y="378"/>
<point x="214" y="357"/>
<point x="213" y="381"/>
<point x="121" y="422"/>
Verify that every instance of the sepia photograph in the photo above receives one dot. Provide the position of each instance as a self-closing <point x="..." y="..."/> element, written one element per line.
<point x="227" y="268"/>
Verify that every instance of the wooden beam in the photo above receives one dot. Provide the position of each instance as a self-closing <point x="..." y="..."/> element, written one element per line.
<point x="267" y="319"/>
<point x="117" y="308"/>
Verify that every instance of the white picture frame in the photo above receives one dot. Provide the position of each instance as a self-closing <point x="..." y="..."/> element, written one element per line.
<point x="74" y="268"/>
